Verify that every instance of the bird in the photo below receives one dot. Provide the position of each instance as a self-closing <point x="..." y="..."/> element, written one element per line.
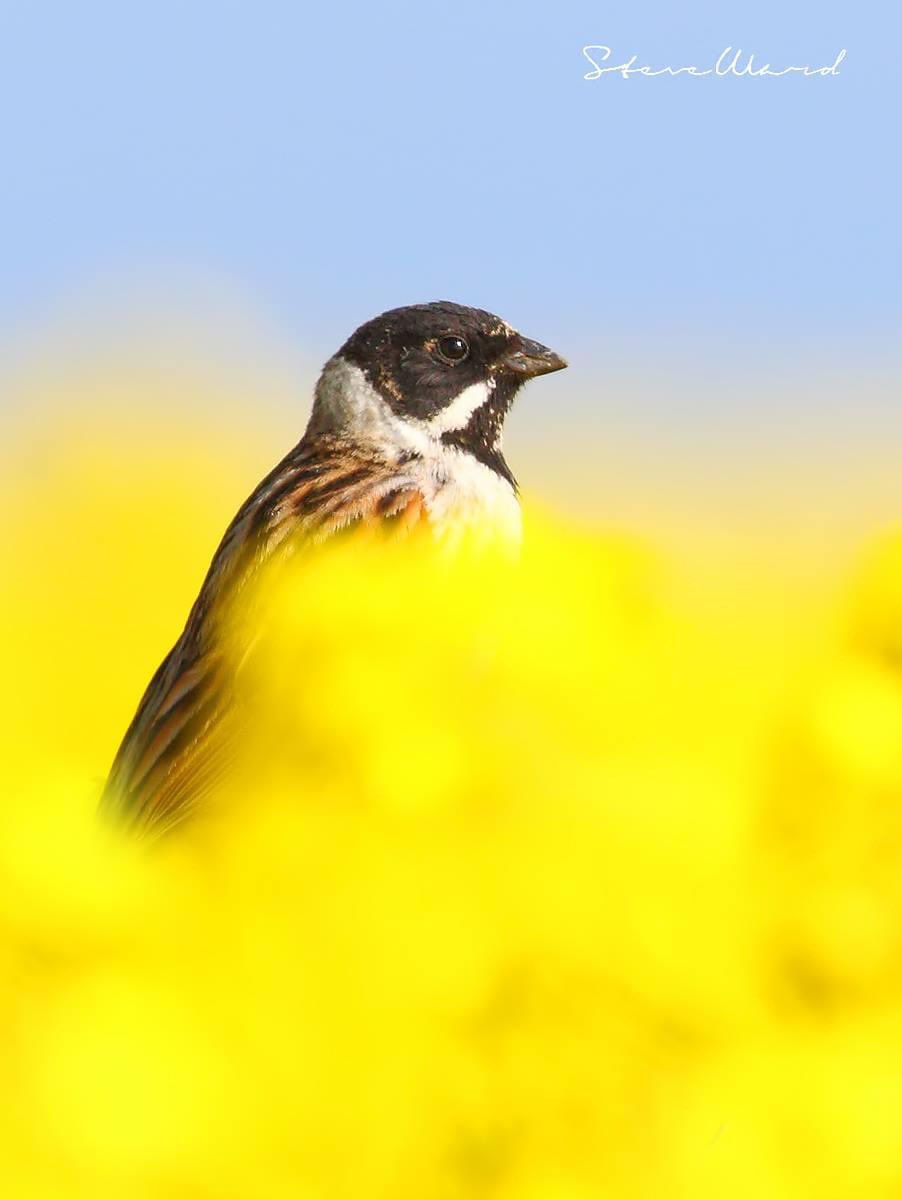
<point x="405" y="430"/>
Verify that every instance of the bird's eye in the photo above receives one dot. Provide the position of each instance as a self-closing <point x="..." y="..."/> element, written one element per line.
<point x="452" y="348"/>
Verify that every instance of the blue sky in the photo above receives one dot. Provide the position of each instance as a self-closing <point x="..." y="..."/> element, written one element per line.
<point x="325" y="161"/>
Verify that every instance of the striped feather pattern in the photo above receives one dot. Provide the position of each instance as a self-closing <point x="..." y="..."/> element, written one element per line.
<point x="180" y="740"/>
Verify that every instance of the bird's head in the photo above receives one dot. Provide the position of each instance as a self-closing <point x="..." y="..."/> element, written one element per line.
<point x="429" y="373"/>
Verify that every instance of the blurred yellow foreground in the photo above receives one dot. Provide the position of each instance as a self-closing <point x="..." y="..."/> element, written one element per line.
<point x="570" y="880"/>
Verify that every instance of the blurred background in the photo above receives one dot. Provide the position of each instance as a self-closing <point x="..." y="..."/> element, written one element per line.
<point x="229" y="190"/>
<point x="606" y="901"/>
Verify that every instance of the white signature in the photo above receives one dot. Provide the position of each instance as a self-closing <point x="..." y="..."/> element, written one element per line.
<point x="724" y="66"/>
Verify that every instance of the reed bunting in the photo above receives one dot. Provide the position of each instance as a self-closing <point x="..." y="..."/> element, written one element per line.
<point x="405" y="429"/>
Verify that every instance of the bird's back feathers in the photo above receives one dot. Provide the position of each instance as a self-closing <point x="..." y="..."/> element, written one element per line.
<point x="179" y="742"/>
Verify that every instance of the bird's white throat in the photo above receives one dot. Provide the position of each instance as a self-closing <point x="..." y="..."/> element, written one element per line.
<point x="461" y="493"/>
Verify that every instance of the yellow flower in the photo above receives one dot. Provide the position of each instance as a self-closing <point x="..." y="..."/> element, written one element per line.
<point x="547" y="880"/>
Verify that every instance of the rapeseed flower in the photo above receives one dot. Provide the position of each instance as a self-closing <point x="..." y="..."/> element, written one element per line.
<point x="537" y="880"/>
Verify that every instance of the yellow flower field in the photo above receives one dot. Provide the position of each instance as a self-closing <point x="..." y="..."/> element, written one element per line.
<point x="569" y="879"/>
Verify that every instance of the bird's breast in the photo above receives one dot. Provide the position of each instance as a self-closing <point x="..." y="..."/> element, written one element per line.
<point x="466" y="498"/>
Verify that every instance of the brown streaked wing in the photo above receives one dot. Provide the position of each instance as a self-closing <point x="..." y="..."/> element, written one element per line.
<point x="181" y="740"/>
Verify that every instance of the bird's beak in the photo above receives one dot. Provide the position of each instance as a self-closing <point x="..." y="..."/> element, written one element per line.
<point x="529" y="358"/>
